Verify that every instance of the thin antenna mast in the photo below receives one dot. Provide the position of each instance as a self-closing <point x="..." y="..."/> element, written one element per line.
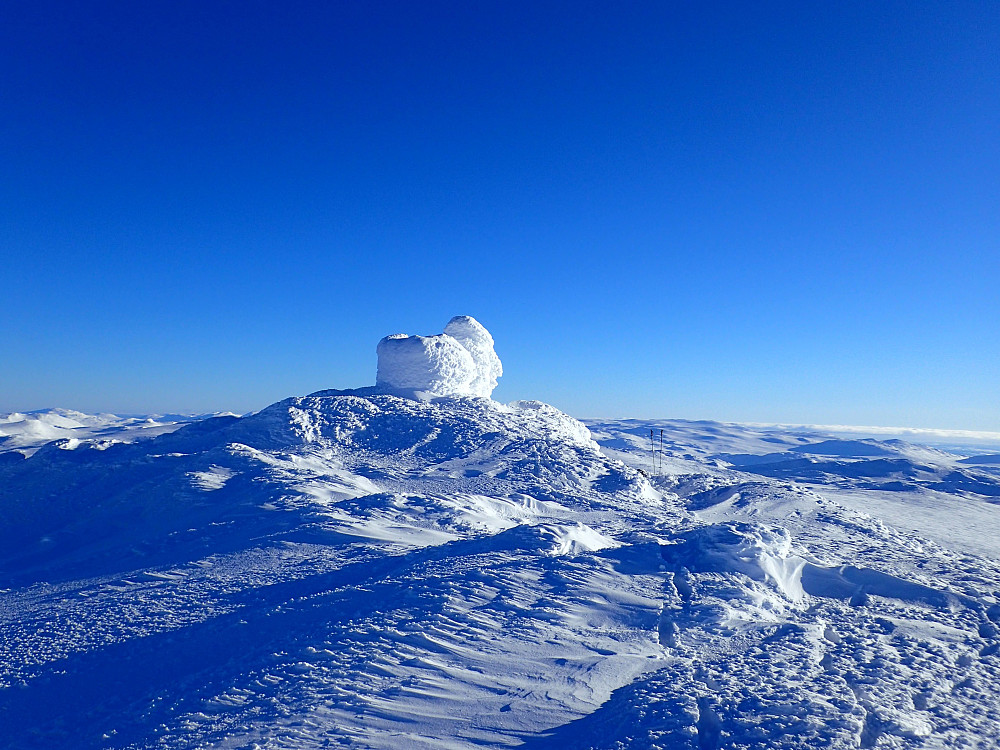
<point x="661" y="450"/>
<point x="652" y="453"/>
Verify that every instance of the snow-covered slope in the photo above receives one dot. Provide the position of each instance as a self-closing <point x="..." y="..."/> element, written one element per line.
<point x="359" y="569"/>
<point x="881" y="594"/>
<point x="344" y="565"/>
<point x="22" y="434"/>
<point x="362" y="569"/>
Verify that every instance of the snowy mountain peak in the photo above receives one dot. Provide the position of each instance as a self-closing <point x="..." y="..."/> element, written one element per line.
<point x="459" y="362"/>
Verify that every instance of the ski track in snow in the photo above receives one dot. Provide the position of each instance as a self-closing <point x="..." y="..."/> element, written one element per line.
<point x="353" y="569"/>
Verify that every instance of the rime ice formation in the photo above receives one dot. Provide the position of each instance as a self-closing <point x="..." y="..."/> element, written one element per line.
<point x="436" y="365"/>
<point x="459" y="362"/>
<point x="471" y="334"/>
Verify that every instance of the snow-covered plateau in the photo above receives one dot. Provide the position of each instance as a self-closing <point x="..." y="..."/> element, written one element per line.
<point x="414" y="565"/>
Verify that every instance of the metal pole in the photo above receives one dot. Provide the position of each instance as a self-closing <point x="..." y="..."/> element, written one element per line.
<point x="661" y="450"/>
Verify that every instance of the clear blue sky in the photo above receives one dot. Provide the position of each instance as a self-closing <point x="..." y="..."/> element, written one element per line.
<point x="727" y="210"/>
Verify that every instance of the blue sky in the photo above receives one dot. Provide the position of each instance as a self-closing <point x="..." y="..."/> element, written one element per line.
<point x="738" y="211"/>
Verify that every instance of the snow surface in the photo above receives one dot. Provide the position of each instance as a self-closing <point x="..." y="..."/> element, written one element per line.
<point x="459" y="362"/>
<point x="25" y="433"/>
<point x="360" y="569"/>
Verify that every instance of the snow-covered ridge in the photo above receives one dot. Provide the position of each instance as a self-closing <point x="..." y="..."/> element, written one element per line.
<point x="922" y="435"/>
<point x="26" y="432"/>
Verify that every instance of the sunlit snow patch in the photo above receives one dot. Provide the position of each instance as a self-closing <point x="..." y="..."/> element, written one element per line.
<point x="765" y="554"/>
<point x="558" y="539"/>
<point x="758" y="552"/>
<point x="213" y="479"/>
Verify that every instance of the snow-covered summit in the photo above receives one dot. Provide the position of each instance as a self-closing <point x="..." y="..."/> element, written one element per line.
<point x="459" y="362"/>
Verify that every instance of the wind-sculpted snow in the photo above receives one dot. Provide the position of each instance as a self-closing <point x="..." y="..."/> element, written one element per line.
<point x="362" y="569"/>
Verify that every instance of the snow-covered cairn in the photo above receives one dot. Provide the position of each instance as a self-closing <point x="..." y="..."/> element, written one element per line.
<point x="458" y="362"/>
